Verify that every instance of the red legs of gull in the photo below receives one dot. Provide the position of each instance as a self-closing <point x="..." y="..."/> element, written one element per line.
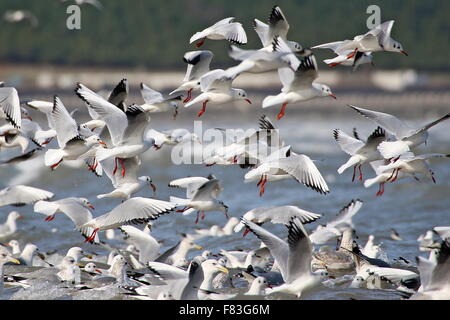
<point x="202" y="111"/>
<point x="94" y="166"/>
<point x="246" y="231"/>
<point x="123" y="167"/>
<point x="391" y="176"/>
<point x="53" y="166"/>
<point x="50" y="218"/>
<point x="354" y="172"/>
<point x="262" y="184"/>
<point x="360" y="173"/>
<point x="282" y="110"/>
<point x="351" y="55"/>
<point x="200" y="43"/>
<point x="182" y="210"/>
<point x="92" y="237"/>
<point x="189" y="96"/>
<point x="381" y="190"/>
<point x="203" y="214"/>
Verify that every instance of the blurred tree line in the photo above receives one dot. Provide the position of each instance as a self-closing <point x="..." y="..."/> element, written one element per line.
<point x="153" y="34"/>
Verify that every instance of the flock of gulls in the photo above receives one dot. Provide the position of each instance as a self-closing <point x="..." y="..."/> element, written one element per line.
<point x="113" y="141"/>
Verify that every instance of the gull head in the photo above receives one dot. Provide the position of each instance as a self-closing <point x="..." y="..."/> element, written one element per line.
<point x="85" y="203"/>
<point x="326" y="91"/>
<point x="212" y="267"/>
<point x="147" y="180"/>
<point x="240" y="94"/>
<point x="94" y="140"/>
<point x="92" y="268"/>
<point x="395" y="46"/>
<point x="14" y="215"/>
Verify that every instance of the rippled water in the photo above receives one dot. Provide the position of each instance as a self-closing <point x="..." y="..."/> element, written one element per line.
<point x="409" y="206"/>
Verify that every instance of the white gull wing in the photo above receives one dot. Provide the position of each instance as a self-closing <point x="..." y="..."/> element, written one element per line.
<point x="45" y="107"/>
<point x="300" y="251"/>
<point x="137" y="120"/>
<point x="426" y="268"/>
<point x="441" y="273"/>
<point x="279" y="214"/>
<point x="392" y="274"/>
<point x="216" y="80"/>
<point x="443" y="232"/>
<point x="388" y="122"/>
<point x="278" y="248"/>
<point x="191" y="184"/>
<point x="119" y="94"/>
<point x="278" y="25"/>
<point x="147" y="246"/>
<point x="208" y="190"/>
<point x="65" y="126"/>
<point x="306" y="73"/>
<point x="149" y="95"/>
<point x="21" y="195"/>
<point x="432" y="123"/>
<point x="336" y="46"/>
<point x="198" y="64"/>
<point x="302" y="169"/>
<point x="347" y="143"/>
<point x="345" y="214"/>
<point x="166" y="271"/>
<point x="382" y="31"/>
<point x="240" y="54"/>
<point x="227" y="28"/>
<point x="134" y="210"/>
<point x="10" y="104"/>
<point x="115" y="119"/>
<point x="262" y="29"/>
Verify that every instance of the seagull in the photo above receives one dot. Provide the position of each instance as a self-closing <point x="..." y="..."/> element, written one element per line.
<point x="395" y="235"/>
<point x="10" y="106"/>
<point x="147" y="246"/>
<point x="360" y="152"/>
<point x="337" y="225"/>
<point x="412" y="164"/>
<point x="216" y="88"/>
<point x="279" y="214"/>
<point x="134" y="210"/>
<point x="292" y="166"/>
<point x="443" y="232"/>
<point x="126" y="185"/>
<point x="293" y="257"/>
<point x="126" y="128"/>
<point x="76" y="209"/>
<point x="201" y="195"/>
<point x="298" y="86"/>
<point x="224" y="29"/>
<point x="9" y="227"/>
<point x="355" y="60"/>
<point x="71" y="144"/>
<point x="375" y="40"/>
<point x="198" y="65"/>
<point x="21" y="195"/>
<point x="258" y="287"/>
<point x="155" y="102"/>
<point x="14" y="16"/>
<point x="171" y="137"/>
<point x="278" y="26"/>
<point x="383" y="176"/>
<point x="434" y="277"/>
<point x="407" y="137"/>
<point x="277" y="55"/>
<point x="185" y="245"/>
<point x="339" y="259"/>
<point x="15" y="246"/>
<point x="5" y="257"/>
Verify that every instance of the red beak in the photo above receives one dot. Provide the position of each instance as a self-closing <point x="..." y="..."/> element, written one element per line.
<point x="248" y="100"/>
<point x="99" y="271"/>
<point x="91" y="206"/>
<point x="49" y="218"/>
<point x="404" y="52"/>
<point x="332" y="95"/>
<point x="246" y="231"/>
<point x="20" y="217"/>
<point x="103" y="143"/>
